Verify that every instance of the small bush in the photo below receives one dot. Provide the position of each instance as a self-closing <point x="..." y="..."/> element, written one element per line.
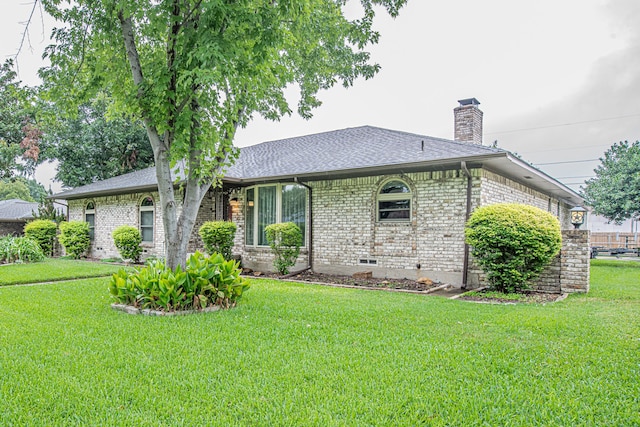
<point x="217" y="237"/>
<point x="284" y="239"/>
<point x="513" y="243"/>
<point x="74" y="236"/>
<point x="20" y="249"/>
<point x="127" y="239"/>
<point x="204" y="282"/>
<point x="42" y="231"/>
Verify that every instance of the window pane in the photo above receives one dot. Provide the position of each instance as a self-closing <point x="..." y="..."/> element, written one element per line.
<point x="266" y="211"/>
<point x="394" y="210"/>
<point x="249" y="217"/>
<point x="148" y="201"/>
<point x="294" y="202"/>
<point x="147" y="234"/>
<point x="91" y="219"/>
<point x="146" y="218"/>
<point x="395" y="187"/>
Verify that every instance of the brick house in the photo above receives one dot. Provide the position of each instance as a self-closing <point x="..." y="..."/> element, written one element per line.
<point x="366" y="198"/>
<point x="14" y="214"/>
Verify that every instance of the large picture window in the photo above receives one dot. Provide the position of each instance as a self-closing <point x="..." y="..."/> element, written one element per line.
<point x="394" y="202"/>
<point x="270" y="204"/>
<point x="90" y="217"/>
<point x="147" y="219"/>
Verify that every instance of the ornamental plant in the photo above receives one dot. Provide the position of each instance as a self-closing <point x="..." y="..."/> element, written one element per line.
<point x="217" y="237"/>
<point x="74" y="237"/>
<point x="513" y="243"/>
<point x="284" y="239"/>
<point x="205" y="282"/>
<point x="43" y="231"/>
<point x="127" y="239"/>
<point x="20" y="249"/>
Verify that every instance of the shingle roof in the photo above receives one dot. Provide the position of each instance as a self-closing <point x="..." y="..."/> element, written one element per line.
<point x="16" y="210"/>
<point x="357" y="151"/>
<point x="347" y="150"/>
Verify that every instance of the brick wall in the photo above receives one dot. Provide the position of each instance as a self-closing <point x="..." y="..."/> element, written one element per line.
<point x="114" y="211"/>
<point x="12" y="228"/>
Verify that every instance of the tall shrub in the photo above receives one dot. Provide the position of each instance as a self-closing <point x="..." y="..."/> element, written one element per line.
<point x="43" y="231"/>
<point x="513" y="243"/>
<point x="74" y="236"/>
<point x="127" y="239"/>
<point x="284" y="239"/>
<point x="217" y="237"/>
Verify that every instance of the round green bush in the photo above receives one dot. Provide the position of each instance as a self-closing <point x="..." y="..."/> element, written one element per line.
<point x="127" y="239"/>
<point x="513" y="243"/>
<point x="74" y="236"/>
<point x="217" y="237"/>
<point x="42" y="231"/>
<point x="284" y="239"/>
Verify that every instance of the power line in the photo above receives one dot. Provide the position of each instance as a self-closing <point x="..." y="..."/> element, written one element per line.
<point x="572" y="161"/>
<point x="564" y="124"/>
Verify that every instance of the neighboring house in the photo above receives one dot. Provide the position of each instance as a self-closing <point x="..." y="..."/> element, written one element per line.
<point x="14" y="214"/>
<point x="366" y="198"/>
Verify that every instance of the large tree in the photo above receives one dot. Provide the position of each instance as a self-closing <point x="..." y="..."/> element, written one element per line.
<point x="615" y="191"/>
<point x="195" y="70"/>
<point x="92" y="145"/>
<point x="19" y="138"/>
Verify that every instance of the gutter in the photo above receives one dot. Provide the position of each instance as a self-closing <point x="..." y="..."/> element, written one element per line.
<point x="465" y="260"/>
<point x="310" y="244"/>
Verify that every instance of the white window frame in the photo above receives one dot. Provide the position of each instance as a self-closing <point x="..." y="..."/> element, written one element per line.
<point x="390" y="197"/>
<point x="151" y="209"/>
<point x="278" y="211"/>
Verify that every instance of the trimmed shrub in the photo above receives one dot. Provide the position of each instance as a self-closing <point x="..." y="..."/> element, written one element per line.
<point x="217" y="237"/>
<point x="74" y="236"/>
<point x="20" y="249"/>
<point x="513" y="243"/>
<point x="284" y="239"/>
<point x="44" y="232"/>
<point x="204" y="282"/>
<point x="127" y="239"/>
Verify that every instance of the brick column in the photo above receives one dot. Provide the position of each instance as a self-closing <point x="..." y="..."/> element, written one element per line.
<point x="575" y="261"/>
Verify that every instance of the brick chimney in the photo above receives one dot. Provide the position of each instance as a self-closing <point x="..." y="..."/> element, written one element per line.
<point x="468" y="121"/>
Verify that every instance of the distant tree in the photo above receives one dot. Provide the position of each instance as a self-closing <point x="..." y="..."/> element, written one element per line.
<point x="21" y="188"/>
<point x="615" y="191"/>
<point x="95" y="145"/>
<point x="47" y="210"/>
<point x="195" y="70"/>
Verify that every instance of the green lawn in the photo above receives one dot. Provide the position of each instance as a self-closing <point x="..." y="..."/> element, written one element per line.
<point x="307" y="355"/>
<point x="52" y="270"/>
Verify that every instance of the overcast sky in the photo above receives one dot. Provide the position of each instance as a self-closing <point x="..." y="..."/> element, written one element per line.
<point x="558" y="81"/>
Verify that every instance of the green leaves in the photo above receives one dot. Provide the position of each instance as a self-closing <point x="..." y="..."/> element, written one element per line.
<point x="205" y="282"/>
<point x="615" y="191"/>
<point x="513" y="243"/>
<point x="284" y="239"/>
<point x="218" y="236"/>
<point x="74" y="236"/>
<point x="127" y="239"/>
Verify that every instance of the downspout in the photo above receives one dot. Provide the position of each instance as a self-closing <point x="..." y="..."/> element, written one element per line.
<point x="310" y="243"/>
<point x="465" y="262"/>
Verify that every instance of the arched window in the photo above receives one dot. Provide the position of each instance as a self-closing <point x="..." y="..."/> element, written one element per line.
<point x="147" y="219"/>
<point x="394" y="202"/>
<point x="90" y="217"/>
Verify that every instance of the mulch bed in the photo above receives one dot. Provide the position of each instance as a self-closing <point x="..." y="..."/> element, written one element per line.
<point x="310" y="276"/>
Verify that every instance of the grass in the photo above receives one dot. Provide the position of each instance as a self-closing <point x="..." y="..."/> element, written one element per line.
<point x="294" y="354"/>
<point x="53" y="270"/>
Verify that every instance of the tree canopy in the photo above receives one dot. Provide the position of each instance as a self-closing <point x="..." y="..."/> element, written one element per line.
<point x="195" y="70"/>
<point x="94" y="145"/>
<point x="19" y="138"/>
<point x="615" y="191"/>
